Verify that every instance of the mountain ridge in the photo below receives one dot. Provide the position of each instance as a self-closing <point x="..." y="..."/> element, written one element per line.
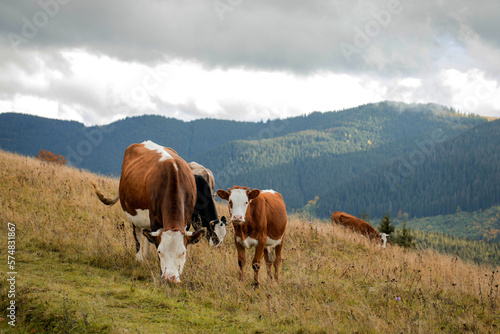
<point x="302" y="156"/>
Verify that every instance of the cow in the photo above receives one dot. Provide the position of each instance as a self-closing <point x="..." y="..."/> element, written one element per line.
<point x="205" y="213"/>
<point x="198" y="169"/>
<point x="259" y="219"/>
<point x="358" y="225"/>
<point x="157" y="193"/>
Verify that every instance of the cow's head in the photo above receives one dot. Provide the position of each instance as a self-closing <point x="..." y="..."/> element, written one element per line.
<point x="238" y="199"/>
<point x="384" y="236"/>
<point x="217" y="231"/>
<point x="171" y="248"/>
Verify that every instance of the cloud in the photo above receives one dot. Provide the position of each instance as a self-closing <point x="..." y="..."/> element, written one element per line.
<point x="240" y="59"/>
<point x="278" y="35"/>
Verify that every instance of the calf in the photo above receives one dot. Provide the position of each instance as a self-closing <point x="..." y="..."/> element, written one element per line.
<point x="259" y="219"/>
<point x="358" y="225"/>
<point x="157" y="192"/>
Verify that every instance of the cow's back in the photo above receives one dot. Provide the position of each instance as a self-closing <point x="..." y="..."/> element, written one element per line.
<point x="201" y="170"/>
<point x="137" y="163"/>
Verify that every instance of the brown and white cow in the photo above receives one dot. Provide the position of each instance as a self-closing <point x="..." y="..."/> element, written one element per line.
<point x="201" y="170"/>
<point x="259" y="219"/>
<point x="358" y="225"/>
<point x="157" y="192"/>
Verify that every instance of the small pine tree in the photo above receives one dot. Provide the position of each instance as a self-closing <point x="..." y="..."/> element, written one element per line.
<point x="404" y="238"/>
<point x="386" y="225"/>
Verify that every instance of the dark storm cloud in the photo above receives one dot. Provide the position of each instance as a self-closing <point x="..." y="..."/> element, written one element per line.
<point x="387" y="37"/>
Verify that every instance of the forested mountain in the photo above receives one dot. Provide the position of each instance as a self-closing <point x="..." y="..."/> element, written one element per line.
<point x="343" y="157"/>
<point x="343" y="146"/>
<point x="436" y="178"/>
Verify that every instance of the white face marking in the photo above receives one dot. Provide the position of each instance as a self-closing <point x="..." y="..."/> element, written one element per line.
<point x="220" y="231"/>
<point x="141" y="219"/>
<point x="268" y="191"/>
<point x="155" y="147"/>
<point x="239" y="201"/>
<point x="172" y="254"/>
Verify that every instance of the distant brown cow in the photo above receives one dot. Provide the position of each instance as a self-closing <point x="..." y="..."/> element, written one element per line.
<point x="358" y="225"/>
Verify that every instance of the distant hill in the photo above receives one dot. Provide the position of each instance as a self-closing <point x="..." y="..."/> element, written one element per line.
<point x="337" y="147"/>
<point x="436" y="178"/>
<point x="476" y="225"/>
<point x="321" y="154"/>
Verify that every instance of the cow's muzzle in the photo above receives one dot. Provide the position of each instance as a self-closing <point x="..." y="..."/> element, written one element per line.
<point x="237" y="219"/>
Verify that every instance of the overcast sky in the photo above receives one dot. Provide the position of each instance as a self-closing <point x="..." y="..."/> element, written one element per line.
<point x="98" y="61"/>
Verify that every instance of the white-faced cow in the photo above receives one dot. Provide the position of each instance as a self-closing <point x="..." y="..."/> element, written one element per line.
<point x="358" y="225"/>
<point x="198" y="169"/>
<point x="157" y="192"/>
<point x="259" y="219"/>
<point x="205" y="213"/>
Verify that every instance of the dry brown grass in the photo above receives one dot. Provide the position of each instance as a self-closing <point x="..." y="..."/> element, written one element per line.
<point x="332" y="280"/>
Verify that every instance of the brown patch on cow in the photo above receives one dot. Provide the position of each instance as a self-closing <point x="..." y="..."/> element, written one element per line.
<point x="169" y="193"/>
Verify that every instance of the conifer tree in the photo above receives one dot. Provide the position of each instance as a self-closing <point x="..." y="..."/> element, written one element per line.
<point x="404" y="238"/>
<point x="386" y="225"/>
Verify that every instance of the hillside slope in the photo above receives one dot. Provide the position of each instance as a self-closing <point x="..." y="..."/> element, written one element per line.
<point x="76" y="273"/>
<point x="476" y="225"/>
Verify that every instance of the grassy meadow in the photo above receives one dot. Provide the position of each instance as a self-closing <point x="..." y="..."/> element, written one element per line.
<point x="76" y="273"/>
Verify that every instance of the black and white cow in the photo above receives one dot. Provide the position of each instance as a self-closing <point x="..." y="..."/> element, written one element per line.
<point x="205" y="213"/>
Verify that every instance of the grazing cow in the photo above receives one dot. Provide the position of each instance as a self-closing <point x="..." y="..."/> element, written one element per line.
<point x="358" y="225"/>
<point x="205" y="213"/>
<point x="259" y="219"/>
<point x="157" y="192"/>
<point x="198" y="169"/>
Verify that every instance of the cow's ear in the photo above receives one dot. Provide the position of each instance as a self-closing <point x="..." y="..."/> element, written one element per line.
<point x="223" y="194"/>
<point x="254" y="193"/>
<point x="195" y="237"/>
<point x="151" y="236"/>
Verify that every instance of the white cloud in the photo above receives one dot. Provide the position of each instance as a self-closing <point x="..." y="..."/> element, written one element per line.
<point x="472" y="91"/>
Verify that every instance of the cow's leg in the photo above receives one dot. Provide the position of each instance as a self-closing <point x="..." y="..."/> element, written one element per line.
<point x="141" y="244"/>
<point x="242" y="259"/>
<point x="269" y="263"/>
<point x="277" y="260"/>
<point x="257" y="259"/>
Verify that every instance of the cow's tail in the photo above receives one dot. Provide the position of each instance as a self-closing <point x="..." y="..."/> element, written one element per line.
<point x="102" y="198"/>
